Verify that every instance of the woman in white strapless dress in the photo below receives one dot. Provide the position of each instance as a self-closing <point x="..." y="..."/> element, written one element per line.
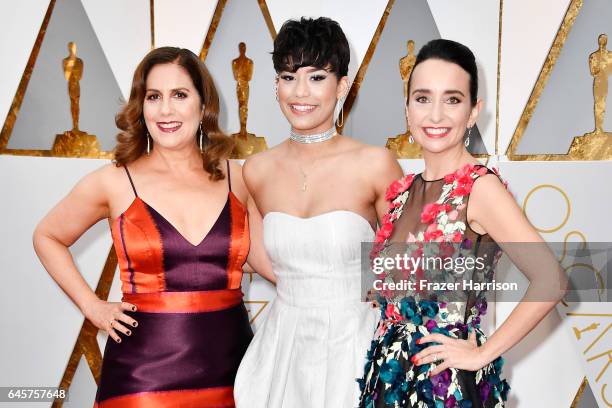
<point x="321" y="195"/>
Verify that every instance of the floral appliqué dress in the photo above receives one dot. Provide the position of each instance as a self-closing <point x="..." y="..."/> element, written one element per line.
<point x="429" y="218"/>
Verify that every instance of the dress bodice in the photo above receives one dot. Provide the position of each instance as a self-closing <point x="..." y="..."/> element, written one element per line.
<point x="312" y="344"/>
<point x="429" y="223"/>
<point x="317" y="260"/>
<point x="155" y="257"/>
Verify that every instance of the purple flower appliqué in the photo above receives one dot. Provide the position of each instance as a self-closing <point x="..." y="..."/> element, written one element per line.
<point x="441" y="382"/>
<point x="431" y="324"/>
<point x="485" y="389"/>
<point x="481" y="305"/>
<point x="451" y="402"/>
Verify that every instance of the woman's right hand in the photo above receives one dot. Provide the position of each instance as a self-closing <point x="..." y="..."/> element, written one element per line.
<point x="110" y="317"/>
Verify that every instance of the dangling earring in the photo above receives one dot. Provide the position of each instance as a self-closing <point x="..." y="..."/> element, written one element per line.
<point x="201" y="139"/>
<point x="276" y="88"/>
<point x="467" y="139"/>
<point x="410" y="139"/>
<point x="340" y="117"/>
<point x="148" y="143"/>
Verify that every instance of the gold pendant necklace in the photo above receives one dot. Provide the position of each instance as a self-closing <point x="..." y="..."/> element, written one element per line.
<point x="304" y="179"/>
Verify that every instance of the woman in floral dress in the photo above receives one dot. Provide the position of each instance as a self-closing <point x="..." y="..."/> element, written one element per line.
<point x="429" y="350"/>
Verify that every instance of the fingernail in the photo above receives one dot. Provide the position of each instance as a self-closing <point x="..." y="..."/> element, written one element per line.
<point x="129" y="333"/>
<point x="418" y="341"/>
<point x="118" y="340"/>
<point x="134" y="308"/>
<point x="134" y="324"/>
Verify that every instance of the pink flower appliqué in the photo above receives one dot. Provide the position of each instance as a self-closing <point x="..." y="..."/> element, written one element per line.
<point x="398" y="187"/>
<point x="431" y="211"/>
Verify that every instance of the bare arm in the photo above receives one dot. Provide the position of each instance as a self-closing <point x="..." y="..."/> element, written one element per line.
<point x="84" y="206"/>
<point x="508" y="226"/>
<point x="387" y="170"/>
<point x="258" y="258"/>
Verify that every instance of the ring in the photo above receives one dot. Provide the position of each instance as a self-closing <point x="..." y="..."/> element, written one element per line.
<point x="111" y="322"/>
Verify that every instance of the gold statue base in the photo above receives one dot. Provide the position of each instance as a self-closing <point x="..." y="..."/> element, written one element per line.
<point x="247" y="144"/>
<point x="403" y="148"/>
<point x="592" y="146"/>
<point x="75" y="143"/>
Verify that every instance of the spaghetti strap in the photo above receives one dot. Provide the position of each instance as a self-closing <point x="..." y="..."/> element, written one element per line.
<point x="130" y="178"/>
<point x="229" y="180"/>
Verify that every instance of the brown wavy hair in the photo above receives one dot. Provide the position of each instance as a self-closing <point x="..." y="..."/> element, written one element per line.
<point x="132" y="140"/>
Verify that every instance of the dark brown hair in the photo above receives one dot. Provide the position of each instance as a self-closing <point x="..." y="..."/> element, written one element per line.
<point x="132" y="140"/>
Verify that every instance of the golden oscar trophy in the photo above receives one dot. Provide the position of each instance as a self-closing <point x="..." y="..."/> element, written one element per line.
<point x="74" y="143"/>
<point x="403" y="145"/>
<point x="597" y="145"/>
<point x="246" y="143"/>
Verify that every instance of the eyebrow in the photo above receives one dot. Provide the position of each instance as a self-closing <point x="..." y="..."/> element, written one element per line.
<point x="448" y="92"/>
<point x="314" y="69"/>
<point x="173" y="90"/>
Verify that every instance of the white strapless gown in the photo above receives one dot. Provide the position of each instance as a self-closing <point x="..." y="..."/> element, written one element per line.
<point x="312" y="346"/>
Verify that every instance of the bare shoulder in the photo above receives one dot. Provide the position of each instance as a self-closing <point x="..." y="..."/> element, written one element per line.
<point x="488" y="183"/>
<point x="258" y="166"/>
<point x="377" y="161"/>
<point x="380" y="156"/>
<point x="237" y="181"/>
<point x="235" y="169"/>
<point x="98" y="187"/>
<point x="103" y="178"/>
<point x="489" y="188"/>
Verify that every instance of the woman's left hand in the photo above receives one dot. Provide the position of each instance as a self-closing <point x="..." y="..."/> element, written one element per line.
<point x="453" y="353"/>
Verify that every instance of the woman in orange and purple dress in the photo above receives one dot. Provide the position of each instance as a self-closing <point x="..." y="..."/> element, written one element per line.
<point x="178" y="215"/>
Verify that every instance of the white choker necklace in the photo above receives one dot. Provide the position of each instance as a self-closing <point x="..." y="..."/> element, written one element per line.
<point x="315" y="138"/>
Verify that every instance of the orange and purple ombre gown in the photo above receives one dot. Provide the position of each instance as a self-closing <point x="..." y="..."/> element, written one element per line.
<point x="193" y="328"/>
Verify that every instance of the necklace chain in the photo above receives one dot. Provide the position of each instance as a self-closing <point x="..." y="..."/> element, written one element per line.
<point x="308" y="139"/>
<point x="304" y="179"/>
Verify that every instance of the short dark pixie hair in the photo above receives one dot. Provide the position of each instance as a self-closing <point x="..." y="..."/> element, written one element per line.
<point x="451" y="51"/>
<point x="319" y="43"/>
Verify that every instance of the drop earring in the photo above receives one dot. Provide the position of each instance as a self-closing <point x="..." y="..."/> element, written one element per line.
<point x="340" y="117"/>
<point x="467" y="139"/>
<point x="201" y="139"/>
<point x="276" y="88"/>
<point x="148" y="143"/>
<point x="410" y="139"/>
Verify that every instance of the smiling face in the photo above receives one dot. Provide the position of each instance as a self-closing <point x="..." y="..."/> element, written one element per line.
<point x="308" y="98"/>
<point x="172" y="108"/>
<point x="439" y="107"/>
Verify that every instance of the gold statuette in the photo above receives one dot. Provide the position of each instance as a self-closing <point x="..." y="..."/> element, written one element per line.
<point x="246" y="143"/>
<point x="74" y="143"/>
<point x="401" y="144"/>
<point x="597" y="145"/>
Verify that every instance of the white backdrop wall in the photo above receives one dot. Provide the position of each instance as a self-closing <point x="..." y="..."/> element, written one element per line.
<point x="39" y="323"/>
